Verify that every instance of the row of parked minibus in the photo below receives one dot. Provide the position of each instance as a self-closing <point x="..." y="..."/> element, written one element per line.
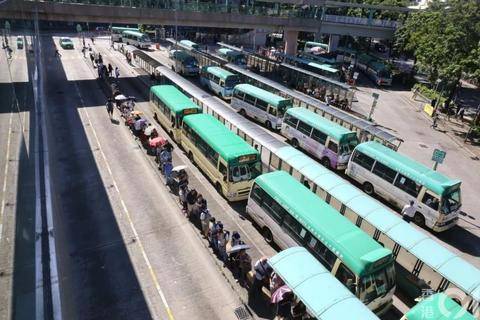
<point x="378" y="169"/>
<point x="213" y="148"/>
<point x="286" y="211"/>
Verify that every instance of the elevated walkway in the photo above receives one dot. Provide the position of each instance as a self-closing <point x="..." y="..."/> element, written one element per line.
<point x="202" y="15"/>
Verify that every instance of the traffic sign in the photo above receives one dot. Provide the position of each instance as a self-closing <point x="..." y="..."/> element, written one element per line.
<point x="438" y="155"/>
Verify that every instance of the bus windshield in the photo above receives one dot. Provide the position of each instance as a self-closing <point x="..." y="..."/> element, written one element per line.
<point x="245" y="172"/>
<point x="240" y="60"/>
<point x="282" y="107"/>
<point x="377" y="284"/>
<point x="191" y="63"/>
<point x="231" y="82"/>
<point x="145" y="38"/>
<point x="451" y="202"/>
<point x="348" y="144"/>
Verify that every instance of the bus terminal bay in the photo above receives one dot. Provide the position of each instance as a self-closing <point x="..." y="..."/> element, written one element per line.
<point x="165" y="177"/>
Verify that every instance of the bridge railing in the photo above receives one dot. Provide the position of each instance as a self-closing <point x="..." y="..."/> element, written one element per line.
<point x="258" y="10"/>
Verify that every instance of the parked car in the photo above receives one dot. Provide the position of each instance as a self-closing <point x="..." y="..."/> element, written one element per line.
<point x="66" y="43"/>
<point x="19" y="42"/>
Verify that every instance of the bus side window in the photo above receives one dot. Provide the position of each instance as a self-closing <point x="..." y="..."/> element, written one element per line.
<point x="384" y="172"/>
<point x="318" y="136"/>
<point x="294" y="228"/>
<point x="431" y="201"/>
<point x="262" y="105"/>
<point x="363" y="160"/>
<point x="345" y="276"/>
<point x="249" y="99"/>
<point x="324" y="254"/>
<point x="272" y="111"/>
<point x="304" y="128"/>
<point x="291" y="121"/>
<point x="333" y="146"/>
<point x="407" y="185"/>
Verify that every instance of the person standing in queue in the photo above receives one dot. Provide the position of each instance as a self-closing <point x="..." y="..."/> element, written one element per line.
<point x="408" y="211"/>
<point x="262" y="273"/>
<point x="110" y="70"/>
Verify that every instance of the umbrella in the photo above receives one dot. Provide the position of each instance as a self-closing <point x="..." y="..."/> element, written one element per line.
<point x="238" y="247"/>
<point x="277" y="296"/>
<point x="148" y="130"/>
<point x="120" y="97"/>
<point x="179" y="168"/>
<point x="158" y="141"/>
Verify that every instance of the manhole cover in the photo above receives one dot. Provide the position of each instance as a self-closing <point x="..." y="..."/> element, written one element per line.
<point x="242" y="313"/>
<point x="423" y="145"/>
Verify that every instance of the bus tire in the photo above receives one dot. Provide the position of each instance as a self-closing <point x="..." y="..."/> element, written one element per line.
<point x="419" y="219"/>
<point x="190" y="157"/>
<point x="368" y="188"/>
<point x="218" y="187"/>
<point x="242" y="112"/>
<point x="326" y="162"/>
<point x="268" y="124"/>
<point x="267" y="235"/>
<point x="294" y="143"/>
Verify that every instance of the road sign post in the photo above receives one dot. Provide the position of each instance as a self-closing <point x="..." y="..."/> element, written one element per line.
<point x="374" y="104"/>
<point x="438" y="156"/>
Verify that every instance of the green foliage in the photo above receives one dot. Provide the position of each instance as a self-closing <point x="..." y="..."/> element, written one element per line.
<point x="444" y="39"/>
<point x="427" y="92"/>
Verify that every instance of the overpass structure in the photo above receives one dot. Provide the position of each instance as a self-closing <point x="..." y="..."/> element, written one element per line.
<point x="307" y="18"/>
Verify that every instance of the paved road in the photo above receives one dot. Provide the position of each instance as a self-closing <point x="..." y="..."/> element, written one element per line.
<point x="17" y="191"/>
<point x="124" y="250"/>
<point x="398" y="113"/>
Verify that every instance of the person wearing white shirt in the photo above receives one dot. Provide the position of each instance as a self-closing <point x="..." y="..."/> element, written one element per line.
<point x="408" y="211"/>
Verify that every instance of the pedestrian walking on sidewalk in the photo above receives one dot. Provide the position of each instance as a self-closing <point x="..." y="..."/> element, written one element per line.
<point x="110" y="70"/>
<point x="110" y="107"/>
<point x="117" y="73"/>
<point x="83" y="51"/>
<point x="92" y="39"/>
<point x="100" y="58"/>
<point x="92" y="58"/>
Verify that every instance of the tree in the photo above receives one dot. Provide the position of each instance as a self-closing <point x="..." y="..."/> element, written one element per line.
<point x="444" y="39"/>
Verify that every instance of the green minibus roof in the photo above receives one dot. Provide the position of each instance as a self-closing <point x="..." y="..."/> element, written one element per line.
<point x="258" y="93"/>
<point x="325" y="67"/>
<point x="351" y="244"/>
<point x="173" y="98"/>
<point x="219" y="72"/>
<point x="433" y="180"/>
<point x="438" y="307"/>
<point x="228" y="145"/>
<point x="334" y="130"/>
<point x="134" y="33"/>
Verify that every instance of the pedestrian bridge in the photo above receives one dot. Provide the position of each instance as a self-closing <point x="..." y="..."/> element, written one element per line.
<point x="303" y="18"/>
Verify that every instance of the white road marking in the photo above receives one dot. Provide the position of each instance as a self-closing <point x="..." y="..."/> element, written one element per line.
<point x="5" y="174"/>
<point x="127" y="213"/>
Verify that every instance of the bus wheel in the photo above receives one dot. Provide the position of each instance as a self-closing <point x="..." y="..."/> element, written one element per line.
<point x="218" y="187"/>
<point x="368" y="188"/>
<point x="267" y="235"/>
<point x="326" y="162"/>
<point x="242" y="112"/>
<point x="190" y="157"/>
<point x="295" y="143"/>
<point x="268" y="124"/>
<point x="419" y="219"/>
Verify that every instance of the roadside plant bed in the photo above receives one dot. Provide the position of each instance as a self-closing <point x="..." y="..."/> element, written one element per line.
<point x="427" y="93"/>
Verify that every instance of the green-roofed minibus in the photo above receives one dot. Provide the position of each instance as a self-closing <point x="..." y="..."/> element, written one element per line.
<point x="169" y="106"/>
<point x="190" y="44"/>
<point x="438" y="306"/>
<point x="328" y="141"/>
<point x="233" y="56"/>
<point x="400" y="179"/>
<point x="116" y="33"/>
<point x="225" y="158"/>
<point x="136" y="38"/>
<point x="219" y="81"/>
<point x="261" y="105"/>
<point x="289" y="214"/>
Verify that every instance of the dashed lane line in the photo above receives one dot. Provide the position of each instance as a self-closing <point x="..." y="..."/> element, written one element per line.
<point x="127" y="213"/>
<point x="5" y="174"/>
